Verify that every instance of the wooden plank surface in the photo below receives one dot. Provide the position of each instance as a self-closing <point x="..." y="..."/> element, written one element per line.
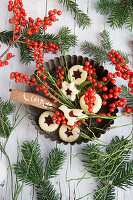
<point x="25" y="131"/>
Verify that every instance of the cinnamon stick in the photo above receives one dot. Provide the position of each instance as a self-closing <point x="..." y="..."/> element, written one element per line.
<point x="32" y="99"/>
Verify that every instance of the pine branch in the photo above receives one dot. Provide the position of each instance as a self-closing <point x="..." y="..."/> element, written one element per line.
<point x="100" y="53"/>
<point x="111" y="166"/>
<point x="64" y="39"/>
<point x="124" y="178"/>
<point x="30" y="169"/>
<point x="46" y="191"/>
<point x="120" y="12"/>
<point x="106" y="42"/>
<point x="6" y="109"/>
<point x="82" y="19"/>
<point x="97" y="53"/>
<point x="127" y="94"/>
<point x="108" y="194"/>
<point x="105" y="6"/>
<point x="5" y="36"/>
<point x="26" y="54"/>
<point x="35" y="173"/>
<point x="54" y="163"/>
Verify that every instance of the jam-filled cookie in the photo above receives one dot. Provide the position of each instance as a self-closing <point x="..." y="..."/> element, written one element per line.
<point x="67" y="134"/>
<point x="69" y="90"/>
<point x="77" y="74"/>
<point x="46" y="122"/>
<point x="96" y="105"/>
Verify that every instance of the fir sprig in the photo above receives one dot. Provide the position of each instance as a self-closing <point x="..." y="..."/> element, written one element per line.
<point x="120" y="12"/>
<point x="37" y="175"/>
<point x="54" y="163"/>
<point x="82" y="19"/>
<point x="64" y="39"/>
<point x="111" y="166"/>
<point x="6" y="109"/>
<point x="127" y="94"/>
<point x="100" y="53"/>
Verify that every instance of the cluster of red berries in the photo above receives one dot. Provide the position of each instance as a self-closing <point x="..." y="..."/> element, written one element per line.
<point x="47" y="21"/>
<point x="20" y="20"/>
<point x="90" y="98"/>
<point x="60" y="72"/>
<point x="38" y="52"/>
<point x="8" y="57"/>
<point x="60" y="119"/>
<point x="123" y="70"/>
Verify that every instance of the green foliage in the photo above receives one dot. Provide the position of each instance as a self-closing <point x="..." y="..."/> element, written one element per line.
<point x="126" y="94"/>
<point x="111" y="166"/>
<point x="82" y="19"/>
<point x="30" y="169"/>
<point x="120" y="12"/>
<point x="5" y="36"/>
<point x="100" y="53"/>
<point x="46" y="191"/>
<point x="26" y="54"/>
<point x="54" y="162"/>
<point x="105" y="41"/>
<point x="35" y="174"/>
<point x="64" y="39"/>
<point x="6" y="109"/>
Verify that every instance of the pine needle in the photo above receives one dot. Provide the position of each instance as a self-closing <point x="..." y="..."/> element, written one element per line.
<point x="120" y="12"/>
<point x="111" y="166"/>
<point x="37" y="175"/>
<point x="100" y="53"/>
<point x="6" y="109"/>
<point x="127" y="94"/>
<point x="54" y="163"/>
<point x="82" y="19"/>
<point x="64" y="39"/>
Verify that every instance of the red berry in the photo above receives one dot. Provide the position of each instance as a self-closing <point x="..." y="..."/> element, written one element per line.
<point x="53" y="117"/>
<point x="87" y="63"/>
<point x="100" y="85"/>
<point x="59" y="12"/>
<point x="122" y="60"/>
<point x="10" y="21"/>
<point x="104" y="79"/>
<point x="113" y="81"/>
<point x="104" y="103"/>
<point x="99" y="120"/>
<point x="105" y="88"/>
<point x="57" y="113"/>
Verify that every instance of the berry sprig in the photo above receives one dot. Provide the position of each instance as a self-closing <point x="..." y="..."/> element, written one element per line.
<point x="113" y="93"/>
<point x="123" y="70"/>
<point x="6" y="61"/>
<point x="25" y="27"/>
<point x="90" y="98"/>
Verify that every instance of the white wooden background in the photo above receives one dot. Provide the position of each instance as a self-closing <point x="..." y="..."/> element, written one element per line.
<point x="25" y="131"/>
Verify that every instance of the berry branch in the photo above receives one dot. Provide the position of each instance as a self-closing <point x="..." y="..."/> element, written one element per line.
<point x="100" y="53"/>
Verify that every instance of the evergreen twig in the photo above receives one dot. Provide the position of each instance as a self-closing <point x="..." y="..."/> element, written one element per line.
<point x="37" y="175"/>
<point x="6" y="109"/>
<point x="127" y="94"/>
<point x="111" y="166"/>
<point x="120" y="12"/>
<point x="100" y="53"/>
<point x="82" y="19"/>
<point x="64" y="39"/>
